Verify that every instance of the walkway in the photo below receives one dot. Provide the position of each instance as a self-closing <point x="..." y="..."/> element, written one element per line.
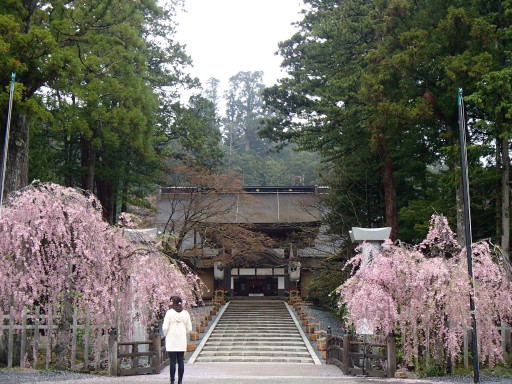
<point x="227" y="373"/>
<point x="256" y="331"/>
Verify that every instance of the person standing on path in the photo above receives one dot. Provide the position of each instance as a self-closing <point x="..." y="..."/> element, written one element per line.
<point x="176" y="327"/>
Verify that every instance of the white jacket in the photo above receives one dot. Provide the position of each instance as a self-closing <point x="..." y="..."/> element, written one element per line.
<point x="176" y="327"/>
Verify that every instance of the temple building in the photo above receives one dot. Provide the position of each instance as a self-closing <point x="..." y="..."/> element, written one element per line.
<point x="261" y="241"/>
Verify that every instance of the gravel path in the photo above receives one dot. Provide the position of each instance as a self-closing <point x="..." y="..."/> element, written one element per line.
<point x="18" y="376"/>
<point x="214" y="375"/>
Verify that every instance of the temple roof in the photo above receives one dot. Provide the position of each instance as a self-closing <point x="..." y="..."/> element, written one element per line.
<point x="255" y="205"/>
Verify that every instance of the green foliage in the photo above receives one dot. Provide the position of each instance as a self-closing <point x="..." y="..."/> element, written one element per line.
<point x="329" y="275"/>
<point x="107" y="73"/>
<point x="327" y="278"/>
<point x="498" y="370"/>
<point x="434" y="371"/>
<point x="196" y="133"/>
<point x="275" y="169"/>
<point x="243" y="113"/>
<point x="378" y="91"/>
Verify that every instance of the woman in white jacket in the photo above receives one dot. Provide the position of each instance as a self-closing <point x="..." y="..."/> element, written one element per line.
<point x="176" y="327"/>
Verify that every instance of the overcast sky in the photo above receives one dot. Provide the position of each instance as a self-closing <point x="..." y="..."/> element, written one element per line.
<point x="224" y="37"/>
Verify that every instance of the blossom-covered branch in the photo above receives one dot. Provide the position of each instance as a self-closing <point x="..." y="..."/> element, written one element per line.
<point x="423" y="291"/>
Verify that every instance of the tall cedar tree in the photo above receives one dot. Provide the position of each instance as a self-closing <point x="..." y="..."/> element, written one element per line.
<point x="103" y="69"/>
<point x="373" y="87"/>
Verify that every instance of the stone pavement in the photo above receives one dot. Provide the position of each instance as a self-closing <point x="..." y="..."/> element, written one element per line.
<point x="239" y="373"/>
<point x="256" y="373"/>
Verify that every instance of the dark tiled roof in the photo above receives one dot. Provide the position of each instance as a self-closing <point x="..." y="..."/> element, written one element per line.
<point x="256" y="205"/>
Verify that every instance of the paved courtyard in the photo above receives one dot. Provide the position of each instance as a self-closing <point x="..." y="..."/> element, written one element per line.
<point x="229" y="373"/>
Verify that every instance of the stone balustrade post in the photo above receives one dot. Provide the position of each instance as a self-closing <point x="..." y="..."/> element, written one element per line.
<point x="113" y="363"/>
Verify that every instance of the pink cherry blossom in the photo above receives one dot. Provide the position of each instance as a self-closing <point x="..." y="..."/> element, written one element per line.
<point x="423" y="292"/>
<point x="55" y="247"/>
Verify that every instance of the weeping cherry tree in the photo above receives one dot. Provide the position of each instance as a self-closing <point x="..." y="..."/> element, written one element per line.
<point x="57" y="253"/>
<point x="422" y="292"/>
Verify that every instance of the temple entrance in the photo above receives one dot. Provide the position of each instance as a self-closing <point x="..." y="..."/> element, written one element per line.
<point x="255" y="286"/>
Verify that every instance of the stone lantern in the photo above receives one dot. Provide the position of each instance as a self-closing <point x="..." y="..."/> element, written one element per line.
<point x="374" y="237"/>
<point x="294" y="269"/>
<point x="218" y="270"/>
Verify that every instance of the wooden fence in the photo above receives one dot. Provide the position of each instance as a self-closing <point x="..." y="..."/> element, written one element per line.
<point x="356" y="356"/>
<point x="506" y="342"/>
<point x="32" y="341"/>
<point x="136" y="357"/>
<point x="359" y="356"/>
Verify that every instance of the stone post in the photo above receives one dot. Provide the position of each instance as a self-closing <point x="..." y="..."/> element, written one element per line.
<point x="391" y="356"/>
<point x="345" y="355"/>
<point x="373" y="236"/>
<point x="156" y="346"/>
<point x="113" y="362"/>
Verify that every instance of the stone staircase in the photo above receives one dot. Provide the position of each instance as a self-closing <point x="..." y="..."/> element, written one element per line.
<point x="260" y="331"/>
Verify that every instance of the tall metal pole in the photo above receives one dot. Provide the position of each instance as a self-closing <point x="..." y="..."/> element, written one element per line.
<point x="469" y="240"/>
<point x="6" y="143"/>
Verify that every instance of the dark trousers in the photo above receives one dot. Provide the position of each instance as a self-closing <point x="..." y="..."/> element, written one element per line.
<point x="177" y="357"/>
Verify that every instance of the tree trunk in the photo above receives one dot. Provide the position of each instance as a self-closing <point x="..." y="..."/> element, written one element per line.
<point x="505" y="159"/>
<point x="124" y="198"/>
<point x="16" y="174"/>
<point x="388" y="183"/>
<point x="505" y="197"/>
<point x="69" y="180"/>
<point x="247" y="139"/>
<point x="89" y="163"/>
<point x="64" y="325"/>
<point x="107" y="196"/>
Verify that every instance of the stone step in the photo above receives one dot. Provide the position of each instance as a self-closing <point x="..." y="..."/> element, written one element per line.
<point x="261" y="347"/>
<point x="256" y="319"/>
<point x="255" y="336"/>
<point x="234" y="328"/>
<point x="266" y="353"/>
<point x="251" y="331"/>
<point x="272" y="310"/>
<point x="235" y="342"/>
<point x="259" y="317"/>
<point x="236" y="325"/>
<point x="254" y="332"/>
<point x="253" y="359"/>
<point x="234" y="316"/>
<point x="254" y="329"/>
<point x="245" y="337"/>
<point x="254" y="316"/>
<point x="255" y="352"/>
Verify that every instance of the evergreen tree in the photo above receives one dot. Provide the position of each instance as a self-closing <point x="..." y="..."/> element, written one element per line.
<point x="243" y="112"/>
<point x="373" y="87"/>
<point x="195" y="133"/>
<point x="106" y="71"/>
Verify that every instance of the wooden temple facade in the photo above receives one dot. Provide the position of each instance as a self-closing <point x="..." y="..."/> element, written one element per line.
<point x="205" y="224"/>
